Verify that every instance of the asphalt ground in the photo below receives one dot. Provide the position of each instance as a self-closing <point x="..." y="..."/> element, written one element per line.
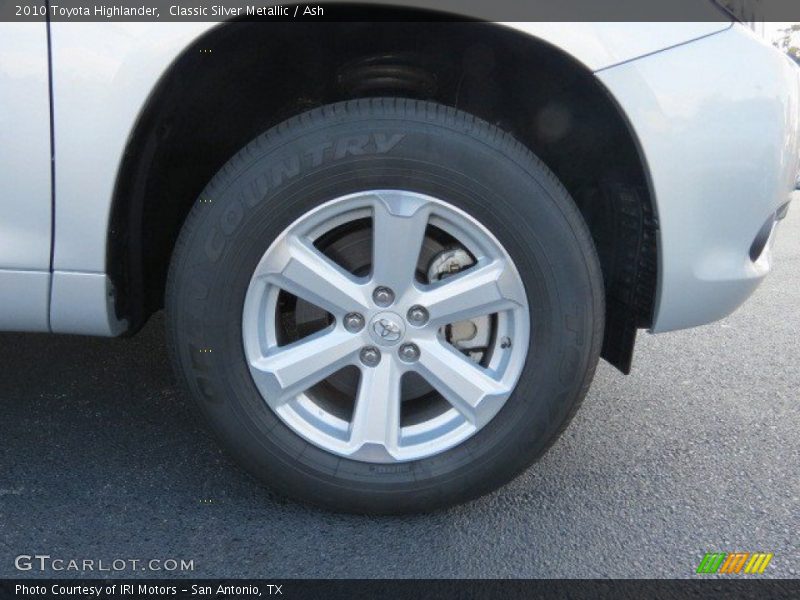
<point x="697" y="451"/>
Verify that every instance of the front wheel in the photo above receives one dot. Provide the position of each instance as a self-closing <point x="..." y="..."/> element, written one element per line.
<point x="385" y="306"/>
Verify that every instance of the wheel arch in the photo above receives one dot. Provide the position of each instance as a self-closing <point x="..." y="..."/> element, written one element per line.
<point x="203" y="110"/>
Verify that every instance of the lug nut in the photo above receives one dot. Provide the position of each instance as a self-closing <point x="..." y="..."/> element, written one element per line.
<point x="370" y="356"/>
<point x="383" y="296"/>
<point x="353" y="322"/>
<point x="417" y="315"/>
<point x="409" y="352"/>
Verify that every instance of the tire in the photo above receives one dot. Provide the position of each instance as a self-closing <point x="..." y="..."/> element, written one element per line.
<point x="423" y="150"/>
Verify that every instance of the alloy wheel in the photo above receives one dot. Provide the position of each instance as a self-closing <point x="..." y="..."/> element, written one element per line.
<point x="386" y="326"/>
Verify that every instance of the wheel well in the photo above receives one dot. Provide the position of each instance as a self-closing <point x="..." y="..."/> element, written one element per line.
<point x="210" y="104"/>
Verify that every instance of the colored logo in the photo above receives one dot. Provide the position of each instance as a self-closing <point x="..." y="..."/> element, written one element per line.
<point x="734" y="562"/>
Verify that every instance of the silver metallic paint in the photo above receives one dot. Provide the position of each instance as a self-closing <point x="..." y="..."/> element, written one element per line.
<point x="718" y="124"/>
<point x="25" y="184"/>
<point x="716" y="120"/>
<point x="24" y="299"/>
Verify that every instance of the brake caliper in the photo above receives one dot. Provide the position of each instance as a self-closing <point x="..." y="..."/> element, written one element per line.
<point x="471" y="337"/>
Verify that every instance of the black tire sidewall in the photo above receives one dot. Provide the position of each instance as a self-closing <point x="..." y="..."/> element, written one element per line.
<point x="385" y="144"/>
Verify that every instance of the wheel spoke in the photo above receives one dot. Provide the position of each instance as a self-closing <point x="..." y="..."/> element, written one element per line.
<point x="465" y="385"/>
<point x="289" y="370"/>
<point x="300" y="269"/>
<point x="304" y="381"/>
<point x="484" y="289"/>
<point x="375" y="429"/>
<point x="399" y="222"/>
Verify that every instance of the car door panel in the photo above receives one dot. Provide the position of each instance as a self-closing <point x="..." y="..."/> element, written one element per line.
<point x="25" y="176"/>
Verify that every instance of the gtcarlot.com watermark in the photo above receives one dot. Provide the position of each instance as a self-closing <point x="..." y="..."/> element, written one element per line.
<point x="44" y="563"/>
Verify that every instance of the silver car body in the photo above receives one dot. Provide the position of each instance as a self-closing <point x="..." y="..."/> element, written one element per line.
<point x="719" y="138"/>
